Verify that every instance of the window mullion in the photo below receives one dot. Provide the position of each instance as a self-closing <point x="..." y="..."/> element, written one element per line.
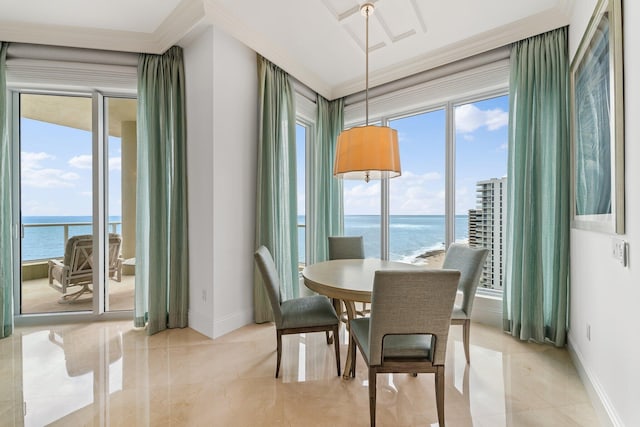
<point x="450" y="174"/>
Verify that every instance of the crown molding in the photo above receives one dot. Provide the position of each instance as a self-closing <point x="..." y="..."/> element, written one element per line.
<point x="93" y="38"/>
<point x="185" y="17"/>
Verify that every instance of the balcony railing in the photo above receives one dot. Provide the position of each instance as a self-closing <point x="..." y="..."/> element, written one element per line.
<point x="38" y="246"/>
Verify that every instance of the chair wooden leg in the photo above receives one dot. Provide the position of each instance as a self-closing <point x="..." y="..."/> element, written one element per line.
<point x="336" y="343"/>
<point x="329" y="338"/>
<point x="466" y="329"/>
<point x="352" y="347"/>
<point x="279" y="351"/>
<point x="440" y="394"/>
<point x="372" y="397"/>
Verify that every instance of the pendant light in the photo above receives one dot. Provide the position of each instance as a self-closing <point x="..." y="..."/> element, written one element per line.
<point x="367" y="152"/>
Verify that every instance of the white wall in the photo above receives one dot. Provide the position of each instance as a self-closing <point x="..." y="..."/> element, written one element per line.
<point x="221" y="85"/>
<point x="604" y="294"/>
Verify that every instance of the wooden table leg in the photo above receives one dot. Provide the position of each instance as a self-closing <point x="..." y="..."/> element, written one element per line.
<point x="351" y="312"/>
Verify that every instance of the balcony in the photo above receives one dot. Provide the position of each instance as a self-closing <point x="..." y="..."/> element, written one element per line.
<point x="38" y="297"/>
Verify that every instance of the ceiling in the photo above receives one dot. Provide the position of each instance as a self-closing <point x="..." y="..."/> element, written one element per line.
<point x="320" y="42"/>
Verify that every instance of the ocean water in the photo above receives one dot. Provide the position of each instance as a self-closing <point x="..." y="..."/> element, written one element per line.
<point x="410" y="235"/>
<point x="44" y="242"/>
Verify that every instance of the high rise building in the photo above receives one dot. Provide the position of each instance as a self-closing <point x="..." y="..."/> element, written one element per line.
<point x="486" y="228"/>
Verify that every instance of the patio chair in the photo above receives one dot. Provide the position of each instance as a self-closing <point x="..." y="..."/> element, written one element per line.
<point x="76" y="268"/>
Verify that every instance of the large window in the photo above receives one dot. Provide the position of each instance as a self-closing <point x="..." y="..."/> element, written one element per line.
<point x="416" y="199"/>
<point x="301" y="150"/>
<point x="481" y="181"/>
<point x="452" y="188"/>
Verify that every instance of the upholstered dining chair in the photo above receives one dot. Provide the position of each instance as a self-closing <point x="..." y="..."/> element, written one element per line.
<point x="76" y="267"/>
<point x="298" y="315"/>
<point x="408" y="328"/>
<point x="347" y="247"/>
<point x="470" y="262"/>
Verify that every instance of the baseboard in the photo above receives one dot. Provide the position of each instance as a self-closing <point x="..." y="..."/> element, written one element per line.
<point x="607" y="414"/>
<point x="486" y="310"/>
<point x="201" y="323"/>
<point x="231" y="322"/>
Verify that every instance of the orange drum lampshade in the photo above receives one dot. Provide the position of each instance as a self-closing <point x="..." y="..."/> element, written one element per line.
<point x="367" y="152"/>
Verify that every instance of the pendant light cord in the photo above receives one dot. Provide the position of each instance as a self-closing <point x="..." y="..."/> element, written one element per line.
<point x="366" y="53"/>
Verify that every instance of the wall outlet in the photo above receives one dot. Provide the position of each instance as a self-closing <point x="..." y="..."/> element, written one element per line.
<point x="619" y="250"/>
<point x="588" y="332"/>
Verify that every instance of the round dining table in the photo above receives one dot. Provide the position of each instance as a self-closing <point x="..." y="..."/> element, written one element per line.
<point x="350" y="281"/>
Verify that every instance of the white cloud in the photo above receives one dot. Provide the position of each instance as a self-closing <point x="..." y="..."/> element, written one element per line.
<point x="32" y="160"/>
<point x="361" y="198"/>
<point x="83" y="161"/>
<point x="35" y="175"/>
<point x="115" y="163"/>
<point x="470" y="118"/>
<point x="48" y="178"/>
<point x="411" y="194"/>
<point x="417" y="194"/>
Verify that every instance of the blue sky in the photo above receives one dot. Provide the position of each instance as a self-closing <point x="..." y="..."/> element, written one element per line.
<point x="481" y="153"/>
<point x="56" y="166"/>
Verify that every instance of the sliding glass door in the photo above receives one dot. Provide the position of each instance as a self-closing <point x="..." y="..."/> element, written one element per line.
<point x="77" y="203"/>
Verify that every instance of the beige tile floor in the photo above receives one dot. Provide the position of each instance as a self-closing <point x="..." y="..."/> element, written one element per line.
<point x="111" y="374"/>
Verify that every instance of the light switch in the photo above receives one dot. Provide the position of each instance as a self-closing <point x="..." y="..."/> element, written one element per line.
<point x="619" y="247"/>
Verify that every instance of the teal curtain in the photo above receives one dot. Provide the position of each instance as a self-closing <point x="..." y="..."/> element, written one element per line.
<point x="6" y="207"/>
<point x="162" y="255"/>
<point x="325" y="194"/>
<point x="537" y="239"/>
<point x="276" y="205"/>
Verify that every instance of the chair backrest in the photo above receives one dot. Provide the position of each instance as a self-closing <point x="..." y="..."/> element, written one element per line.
<point x="346" y="247"/>
<point x="470" y="262"/>
<point x="78" y="253"/>
<point x="271" y="281"/>
<point x="410" y="302"/>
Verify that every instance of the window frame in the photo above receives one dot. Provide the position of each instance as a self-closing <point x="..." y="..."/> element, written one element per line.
<point x="306" y="113"/>
<point x="57" y="70"/>
<point x="471" y="85"/>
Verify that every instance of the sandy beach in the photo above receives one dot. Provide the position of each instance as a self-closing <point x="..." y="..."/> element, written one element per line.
<point x="433" y="259"/>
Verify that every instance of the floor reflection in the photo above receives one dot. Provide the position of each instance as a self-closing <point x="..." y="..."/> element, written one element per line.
<point x="109" y="373"/>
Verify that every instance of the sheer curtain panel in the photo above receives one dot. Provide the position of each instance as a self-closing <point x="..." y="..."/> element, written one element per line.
<point x="276" y="204"/>
<point x="325" y="195"/>
<point x="162" y="260"/>
<point x="537" y="263"/>
<point x="6" y="207"/>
